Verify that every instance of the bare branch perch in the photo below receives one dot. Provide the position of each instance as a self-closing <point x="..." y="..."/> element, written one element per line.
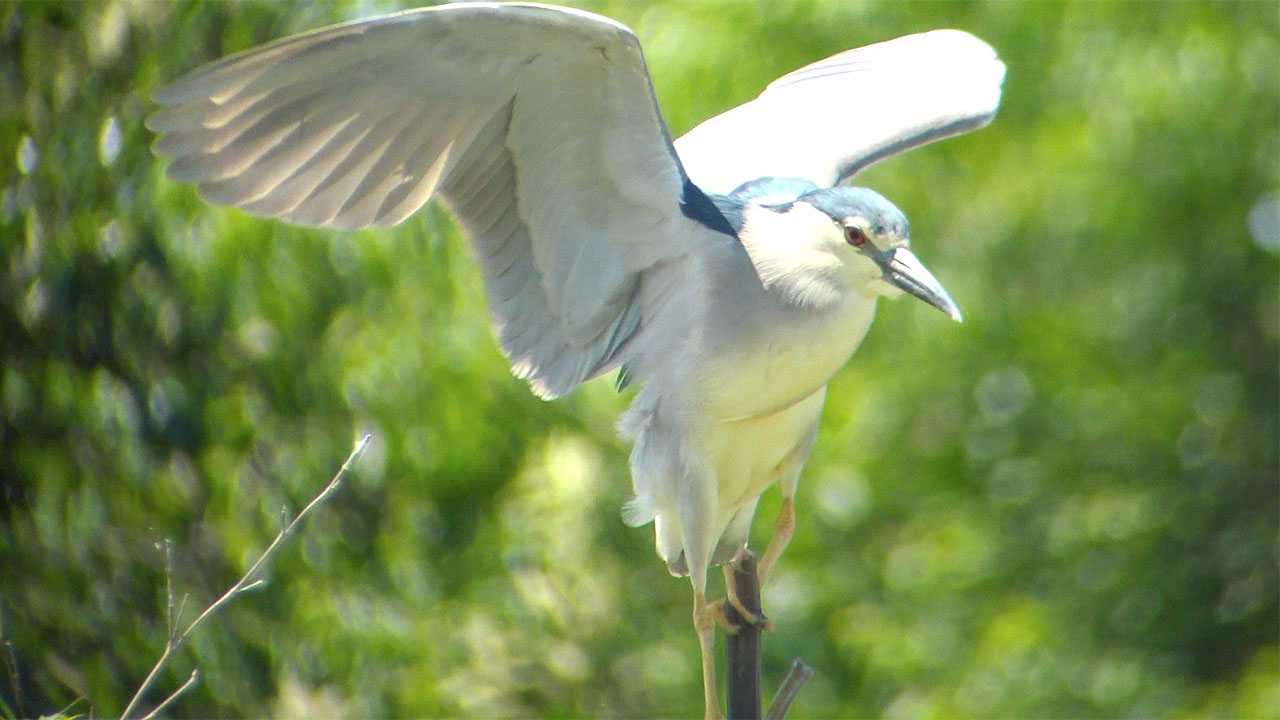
<point x="248" y="581"/>
<point x="742" y="652"/>
<point x="742" y="648"/>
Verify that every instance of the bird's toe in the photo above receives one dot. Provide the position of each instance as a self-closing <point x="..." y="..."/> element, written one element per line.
<point x="731" y="616"/>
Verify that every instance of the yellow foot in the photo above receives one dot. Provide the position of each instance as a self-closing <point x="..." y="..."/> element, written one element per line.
<point x="757" y="620"/>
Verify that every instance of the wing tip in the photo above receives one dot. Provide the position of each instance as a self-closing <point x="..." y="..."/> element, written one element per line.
<point x="975" y="51"/>
<point x="959" y="37"/>
<point x="155" y="122"/>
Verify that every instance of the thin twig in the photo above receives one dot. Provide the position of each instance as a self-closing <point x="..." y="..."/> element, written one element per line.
<point x="253" y="586"/>
<point x="171" y="620"/>
<point x="191" y="681"/>
<point x="66" y="711"/>
<point x="797" y="676"/>
<point x="248" y="581"/>
<point x="11" y="660"/>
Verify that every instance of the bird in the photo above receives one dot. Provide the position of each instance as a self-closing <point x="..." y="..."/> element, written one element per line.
<point x="727" y="275"/>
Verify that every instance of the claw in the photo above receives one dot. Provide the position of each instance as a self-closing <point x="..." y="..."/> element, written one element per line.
<point x="717" y="611"/>
<point x="754" y="619"/>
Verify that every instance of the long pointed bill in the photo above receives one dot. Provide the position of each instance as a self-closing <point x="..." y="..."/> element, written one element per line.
<point x="903" y="269"/>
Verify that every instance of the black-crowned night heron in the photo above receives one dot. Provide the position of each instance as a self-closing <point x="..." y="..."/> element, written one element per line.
<point x="726" y="273"/>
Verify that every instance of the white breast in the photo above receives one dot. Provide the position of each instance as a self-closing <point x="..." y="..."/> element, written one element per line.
<point x="760" y="352"/>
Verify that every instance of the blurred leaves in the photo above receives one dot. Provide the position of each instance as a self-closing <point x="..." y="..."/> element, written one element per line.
<point x="1065" y="507"/>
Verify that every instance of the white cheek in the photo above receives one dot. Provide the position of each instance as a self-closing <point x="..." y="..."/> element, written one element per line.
<point x="797" y="242"/>
<point x="863" y="272"/>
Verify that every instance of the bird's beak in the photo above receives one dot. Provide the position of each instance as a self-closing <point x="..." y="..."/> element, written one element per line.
<point x="903" y="270"/>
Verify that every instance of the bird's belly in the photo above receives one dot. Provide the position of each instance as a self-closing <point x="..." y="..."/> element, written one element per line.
<point x="749" y="455"/>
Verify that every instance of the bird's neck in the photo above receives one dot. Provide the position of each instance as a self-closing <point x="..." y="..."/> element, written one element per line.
<point x="790" y="258"/>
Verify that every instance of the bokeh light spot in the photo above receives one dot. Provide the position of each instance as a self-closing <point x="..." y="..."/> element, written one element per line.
<point x="1264" y="223"/>
<point x="1002" y="395"/>
<point x="109" y="141"/>
<point x="27" y="155"/>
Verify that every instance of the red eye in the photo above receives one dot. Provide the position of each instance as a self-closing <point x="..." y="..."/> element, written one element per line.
<point x="854" y="236"/>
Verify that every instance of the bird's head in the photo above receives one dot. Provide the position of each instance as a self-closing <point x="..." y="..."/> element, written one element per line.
<point x="871" y="239"/>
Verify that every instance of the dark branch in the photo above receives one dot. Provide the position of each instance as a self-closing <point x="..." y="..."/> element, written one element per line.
<point x="742" y="648"/>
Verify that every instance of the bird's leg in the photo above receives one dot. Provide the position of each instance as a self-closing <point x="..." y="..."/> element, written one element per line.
<point x="698" y="503"/>
<point x="704" y="621"/>
<point x="783" y="529"/>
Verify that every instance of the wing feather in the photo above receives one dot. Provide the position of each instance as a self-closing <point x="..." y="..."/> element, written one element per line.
<point x="536" y="125"/>
<point x="826" y="121"/>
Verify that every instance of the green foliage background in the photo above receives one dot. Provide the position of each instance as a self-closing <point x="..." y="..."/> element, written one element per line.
<point x="1065" y="507"/>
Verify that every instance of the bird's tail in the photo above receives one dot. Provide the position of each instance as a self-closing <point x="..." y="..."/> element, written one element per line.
<point x="637" y="511"/>
<point x="635" y="425"/>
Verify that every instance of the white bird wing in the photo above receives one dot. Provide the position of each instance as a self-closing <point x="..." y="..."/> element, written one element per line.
<point x="826" y="121"/>
<point x="537" y="125"/>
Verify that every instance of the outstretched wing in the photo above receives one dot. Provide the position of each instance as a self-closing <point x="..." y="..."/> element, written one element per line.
<point x="537" y="125"/>
<point x="826" y="121"/>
